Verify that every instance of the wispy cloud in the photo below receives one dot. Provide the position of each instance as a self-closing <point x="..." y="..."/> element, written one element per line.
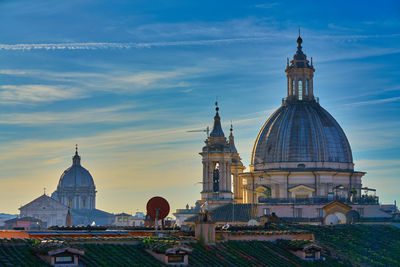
<point x="15" y="94"/>
<point x="267" y="5"/>
<point x="112" y="114"/>
<point x="375" y="101"/>
<point x="101" y="45"/>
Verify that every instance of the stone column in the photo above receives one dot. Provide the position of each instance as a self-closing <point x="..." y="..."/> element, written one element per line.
<point x="228" y="177"/>
<point x="222" y="176"/>
<point x="205" y="186"/>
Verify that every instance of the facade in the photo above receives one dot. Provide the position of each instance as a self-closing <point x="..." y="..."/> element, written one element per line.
<point x="48" y="210"/>
<point x="76" y="187"/>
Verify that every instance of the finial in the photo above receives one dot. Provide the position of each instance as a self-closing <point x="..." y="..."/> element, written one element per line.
<point x="216" y="106"/>
<point x="299" y="40"/>
<point x="44" y="190"/>
<point x="311" y="61"/>
<point x="76" y="149"/>
<point x="287" y="61"/>
<point x="231" y="127"/>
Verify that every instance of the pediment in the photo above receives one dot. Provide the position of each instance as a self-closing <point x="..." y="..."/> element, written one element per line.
<point x="43" y="202"/>
<point x="301" y="188"/>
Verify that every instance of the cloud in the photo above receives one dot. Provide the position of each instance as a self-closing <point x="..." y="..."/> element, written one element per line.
<point x="16" y="94"/>
<point x="112" y="114"/>
<point x="104" y="45"/>
<point x="375" y="101"/>
<point x="267" y="5"/>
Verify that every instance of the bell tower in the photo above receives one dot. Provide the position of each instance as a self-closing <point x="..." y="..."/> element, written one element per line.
<point x="300" y="74"/>
<point x="218" y="162"/>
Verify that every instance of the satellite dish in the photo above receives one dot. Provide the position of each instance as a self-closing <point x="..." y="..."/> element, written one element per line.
<point x="225" y="227"/>
<point x="157" y="208"/>
<point x="252" y="222"/>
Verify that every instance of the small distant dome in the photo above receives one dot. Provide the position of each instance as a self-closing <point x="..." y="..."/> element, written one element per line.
<point x="76" y="175"/>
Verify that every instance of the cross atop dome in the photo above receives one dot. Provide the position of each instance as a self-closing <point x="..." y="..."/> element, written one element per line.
<point x="76" y="160"/>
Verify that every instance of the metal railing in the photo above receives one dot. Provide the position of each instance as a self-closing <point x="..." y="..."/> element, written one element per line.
<point x="318" y="200"/>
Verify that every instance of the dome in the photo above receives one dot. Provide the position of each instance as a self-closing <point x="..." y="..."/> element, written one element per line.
<point x="301" y="134"/>
<point x="76" y="176"/>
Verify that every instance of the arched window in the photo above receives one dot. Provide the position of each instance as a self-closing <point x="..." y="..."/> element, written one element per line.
<point x="300" y="86"/>
<point x="307" y="87"/>
<point x="293" y="87"/>
<point x="216" y="177"/>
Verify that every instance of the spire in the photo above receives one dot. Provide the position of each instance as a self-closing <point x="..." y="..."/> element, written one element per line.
<point x="299" y="41"/>
<point x="68" y="218"/>
<point x="217" y="128"/>
<point x="76" y="160"/>
<point x="232" y="141"/>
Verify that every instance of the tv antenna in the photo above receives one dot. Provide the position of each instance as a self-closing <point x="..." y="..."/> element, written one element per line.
<point x="206" y="130"/>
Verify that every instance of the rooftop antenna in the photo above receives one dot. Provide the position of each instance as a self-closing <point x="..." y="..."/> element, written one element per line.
<point x="206" y="130"/>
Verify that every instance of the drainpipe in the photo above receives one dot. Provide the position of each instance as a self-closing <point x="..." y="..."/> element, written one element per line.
<point x="315" y="186"/>
<point x="287" y="185"/>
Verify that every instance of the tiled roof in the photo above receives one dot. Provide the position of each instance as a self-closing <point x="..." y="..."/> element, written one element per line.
<point x="230" y="212"/>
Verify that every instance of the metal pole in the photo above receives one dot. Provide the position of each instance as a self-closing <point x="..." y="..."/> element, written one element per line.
<point x="156" y="221"/>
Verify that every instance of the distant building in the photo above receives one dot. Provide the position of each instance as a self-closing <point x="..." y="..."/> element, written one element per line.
<point x="76" y="189"/>
<point x="182" y="215"/>
<point x="138" y="219"/>
<point x="4" y="217"/>
<point x="123" y="219"/>
<point x="49" y="211"/>
<point x="24" y="223"/>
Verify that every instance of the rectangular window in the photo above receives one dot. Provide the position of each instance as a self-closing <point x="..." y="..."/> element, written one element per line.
<point x="266" y="211"/>
<point x="320" y="212"/>
<point x="298" y="212"/>
<point x="175" y="258"/>
<point x="361" y="211"/>
<point x="67" y="259"/>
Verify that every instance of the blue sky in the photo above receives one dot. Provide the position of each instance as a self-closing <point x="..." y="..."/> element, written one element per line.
<point x="126" y="80"/>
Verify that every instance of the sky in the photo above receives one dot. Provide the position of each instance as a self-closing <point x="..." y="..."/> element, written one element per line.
<point x="127" y="80"/>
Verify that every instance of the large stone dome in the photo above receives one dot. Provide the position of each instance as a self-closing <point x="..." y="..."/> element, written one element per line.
<point x="303" y="135"/>
<point x="76" y="176"/>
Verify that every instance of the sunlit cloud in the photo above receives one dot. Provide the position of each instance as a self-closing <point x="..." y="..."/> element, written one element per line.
<point x="376" y="101"/>
<point x="33" y="93"/>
